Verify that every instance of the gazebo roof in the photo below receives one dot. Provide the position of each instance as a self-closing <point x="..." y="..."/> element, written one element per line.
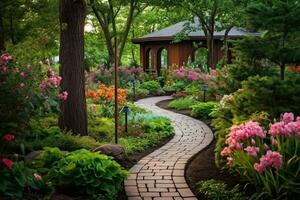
<point x="167" y="34"/>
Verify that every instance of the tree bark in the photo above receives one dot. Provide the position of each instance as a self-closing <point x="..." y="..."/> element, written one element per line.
<point x="2" y="45"/>
<point x="12" y="30"/>
<point x="126" y="31"/>
<point x="73" y="116"/>
<point x="226" y="48"/>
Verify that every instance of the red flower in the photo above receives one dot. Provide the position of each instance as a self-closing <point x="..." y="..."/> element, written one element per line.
<point x="8" y="163"/>
<point x="37" y="177"/>
<point x="8" y="137"/>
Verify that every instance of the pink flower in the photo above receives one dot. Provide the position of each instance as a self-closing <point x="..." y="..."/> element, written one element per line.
<point x="266" y="147"/>
<point x="226" y="151"/>
<point x="23" y="74"/>
<point x="243" y="132"/>
<point x="229" y="161"/>
<point x="63" y="96"/>
<point x="8" y="137"/>
<point x="294" y="127"/>
<point x="8" y="163"/>
<point x="272" y="158"/>
<point x="50" y="73"/>
<point x="252" y="150"/>
<point x="6" y="57"/>
<point x="288" y="117"/>
<point x="280" y="128"/>
<point x="37" y="177"/>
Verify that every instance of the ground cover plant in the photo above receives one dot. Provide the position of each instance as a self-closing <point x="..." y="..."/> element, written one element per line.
<point x="182" y="103"/>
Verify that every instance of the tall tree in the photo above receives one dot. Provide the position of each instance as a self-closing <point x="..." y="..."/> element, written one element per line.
<point x="207" y="11"/>
<point x="73" y="115"/>
<point x="279" y="20"/>
<point x="107" y="13"/>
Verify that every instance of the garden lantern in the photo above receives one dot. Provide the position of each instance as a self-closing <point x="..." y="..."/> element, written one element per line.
<point x="204" y="89"/>
<point x="126" y="110"/>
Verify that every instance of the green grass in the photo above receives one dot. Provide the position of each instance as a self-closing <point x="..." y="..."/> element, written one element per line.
<point x="182" y="103"/>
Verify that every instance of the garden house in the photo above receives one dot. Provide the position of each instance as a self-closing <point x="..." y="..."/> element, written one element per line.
<point x="157" y="49"/>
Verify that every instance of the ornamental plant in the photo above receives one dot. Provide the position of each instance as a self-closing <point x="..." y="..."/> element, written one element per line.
<point x="26" y="92"/>
<point x="269" y="159"/>
<point x="106" y="76"/>
<point x="87" y="173"/>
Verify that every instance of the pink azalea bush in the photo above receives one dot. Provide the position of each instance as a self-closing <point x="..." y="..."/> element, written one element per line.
<point x="105" y="76"/>
<point x="27" y="92"/>
<point x="261" y="155"/>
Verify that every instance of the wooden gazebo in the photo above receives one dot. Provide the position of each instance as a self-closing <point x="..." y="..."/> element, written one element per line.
<point x="178" y="54"/>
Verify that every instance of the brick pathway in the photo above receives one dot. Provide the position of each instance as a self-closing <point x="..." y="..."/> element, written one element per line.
<point x="160" y="175"/>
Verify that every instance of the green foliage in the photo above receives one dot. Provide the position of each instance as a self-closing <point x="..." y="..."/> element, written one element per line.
<point x="87" y="173"/>
<point x="152" y="86"/>
<point x="215" y="190"/>
<point x="203" y="109"/>
<point x="280" y="31"/>
<point x="182" y="103"/>
<point x="17" y="181"/>
<point x="153" y="129"/>
<point x="257" y="96"/>
<point x="101" y="129"/>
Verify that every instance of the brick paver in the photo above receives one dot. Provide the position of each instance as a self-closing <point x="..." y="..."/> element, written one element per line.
<point x="160" y="175"/>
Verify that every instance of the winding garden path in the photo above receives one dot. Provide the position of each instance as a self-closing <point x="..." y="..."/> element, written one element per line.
<point x="160" y="175"/>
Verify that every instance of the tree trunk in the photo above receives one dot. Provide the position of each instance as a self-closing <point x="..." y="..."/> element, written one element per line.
<point x="73" y="111"/>
<point x="282" y="69"/>
<point x="210" y="51"/>
<point x="126" y="30"/>
<point x="226" y="49"/>
<point x="2" y="46"/>
<point x="12" y="30"/>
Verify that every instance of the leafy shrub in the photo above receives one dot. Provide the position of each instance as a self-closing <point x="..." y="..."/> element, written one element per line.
<point x="203" y="109"/>
<point x="268" y="159"/>
<point x="258" y="96"/>
<point x="64" y="141"/>
<point x="151" y="86"/>
<point x="182" y="103"/>
<point x="87" y="173"/>
<point x="17" y="179"/>
<point x="154" y="128"/>
<point x="101" y="129"/>
<point x="215" y="190"/>
<point x="22" y="95"/>
<point x="139" y="93"/>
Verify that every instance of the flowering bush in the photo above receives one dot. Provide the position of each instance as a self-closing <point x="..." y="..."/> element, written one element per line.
<point x="269" y="159"/>
<point x="105" y="76"/>
<point x="24" y="93"/>
<point x="105" y="96"/>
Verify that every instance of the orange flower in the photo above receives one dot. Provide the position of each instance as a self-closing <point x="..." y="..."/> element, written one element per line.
<point x="107" y="94"/>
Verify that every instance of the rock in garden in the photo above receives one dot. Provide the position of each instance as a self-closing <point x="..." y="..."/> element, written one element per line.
<point x="114" y="150"/>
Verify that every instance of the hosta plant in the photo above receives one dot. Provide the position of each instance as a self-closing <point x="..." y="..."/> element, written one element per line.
<point x="89" y="174"/>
